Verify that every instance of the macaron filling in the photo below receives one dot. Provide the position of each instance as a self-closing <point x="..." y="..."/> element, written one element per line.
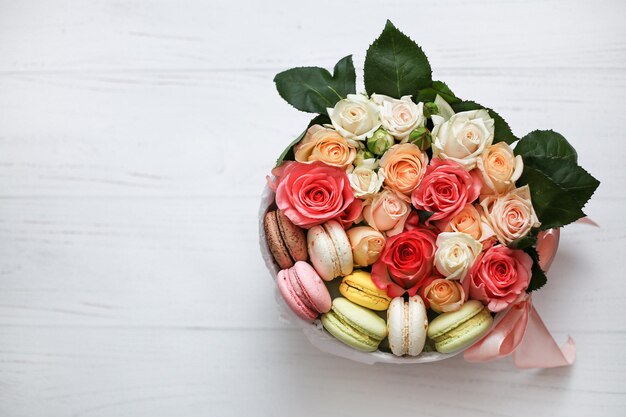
<point x="470" y="329"/>
<point x="377" y="298"/>
<point x="300" y="291"/>
<point x="355" y="332"/>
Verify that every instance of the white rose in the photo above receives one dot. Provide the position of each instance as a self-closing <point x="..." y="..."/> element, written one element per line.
<point x="456" y="253"/>
<point x="463" y="137"/>
<point x="399" y="117"/>
<point x="355" y="117"/>
<point x="365" y="182"/>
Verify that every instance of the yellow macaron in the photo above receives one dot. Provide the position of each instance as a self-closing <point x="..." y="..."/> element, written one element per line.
<point x="359" y="288"/>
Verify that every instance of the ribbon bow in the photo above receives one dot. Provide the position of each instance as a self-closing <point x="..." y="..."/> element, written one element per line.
<point x="521" y="332"/>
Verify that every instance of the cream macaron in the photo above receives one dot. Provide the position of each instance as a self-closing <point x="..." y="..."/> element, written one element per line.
<point x="329" y="250"/>
<point x="407" y="323"/>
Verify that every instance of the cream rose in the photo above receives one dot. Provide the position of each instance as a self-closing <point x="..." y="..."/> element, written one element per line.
<point x="511" y="216"/>
<point x="463" y="137"/>
<point x="365" y="182"/>
<point x="500" y="168"/>
<point x="399" y="117"/>
<point x="444" y="295"/>
<point x="367" y="245"/>
<point x="403" y="167"/>
<point x="387" y="212"/>
<point x="355" y="117"/>
<point x="325" y="145"/>
<point x="469" y="221"/>
<point x="456" y="253"/>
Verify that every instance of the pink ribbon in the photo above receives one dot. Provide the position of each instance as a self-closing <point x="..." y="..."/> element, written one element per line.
<point x="521" y="332"/>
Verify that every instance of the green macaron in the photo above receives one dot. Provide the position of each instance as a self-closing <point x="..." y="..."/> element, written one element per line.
<point x="457" y="330"/>
<point x="354" y="325"/>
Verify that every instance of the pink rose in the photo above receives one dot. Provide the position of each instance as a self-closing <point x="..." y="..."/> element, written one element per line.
<point x="406" y="262"/>
<point x="352" y="214"/>
<point x="499" y="276"/>
<point x="445" y="190"/>
<point x="311" y="194"/>
<point x="387" y="212"/>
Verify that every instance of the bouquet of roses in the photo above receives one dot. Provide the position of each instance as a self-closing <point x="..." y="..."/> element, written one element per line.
<point x="403" y="218"/>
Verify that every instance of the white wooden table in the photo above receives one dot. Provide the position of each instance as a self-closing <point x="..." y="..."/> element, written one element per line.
<point x="134" y="141"/>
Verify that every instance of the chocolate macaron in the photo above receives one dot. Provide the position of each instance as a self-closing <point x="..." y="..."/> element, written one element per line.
<point x="286" y="241"/>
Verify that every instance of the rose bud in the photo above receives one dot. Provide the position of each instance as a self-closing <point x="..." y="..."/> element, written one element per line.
<point x="430" y="109"/>
<point x="380" y="141"/>
<point x="367" y="244"/>
<point x="421" y="137"/>
<point x="363" y="155"/>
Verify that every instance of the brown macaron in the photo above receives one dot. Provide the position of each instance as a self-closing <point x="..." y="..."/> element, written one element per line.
<point x="286" y="241"/>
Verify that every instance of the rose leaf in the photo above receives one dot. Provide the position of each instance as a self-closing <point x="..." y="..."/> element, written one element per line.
<point x="314" y="89"/>
<point x="395" y="65"/>
<point x="559" y="189"/>
<point x="538" y="278"/>
<point x="428" y="94"/>
<point x="545" y="143"/>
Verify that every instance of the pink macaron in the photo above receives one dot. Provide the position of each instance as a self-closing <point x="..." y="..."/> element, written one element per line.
<point x="304" y="291"/>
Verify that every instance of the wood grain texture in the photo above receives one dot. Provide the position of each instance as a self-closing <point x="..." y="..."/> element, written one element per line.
<point x="134" y="141"/>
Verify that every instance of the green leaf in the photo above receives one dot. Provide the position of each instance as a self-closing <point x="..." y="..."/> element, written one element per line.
<point x="287" y="154"/>
<point x="424" y="215"/>
<point x="428" y="94"/>
<point x="502" y="130"/>
<point x="559" y="189"/>
<point x="538" y="278"/>
<point x="395" y="65"/>
<point x="540" y="143"/>
<point x="527" y="241"/>
<point x="313" y="89"/>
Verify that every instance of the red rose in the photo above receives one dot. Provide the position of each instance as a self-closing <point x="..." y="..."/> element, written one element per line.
<point x="445" y="190"/>
<point x="406" y="262"/>
<point x="311" y="194"/>
<point x="499" y="276"/>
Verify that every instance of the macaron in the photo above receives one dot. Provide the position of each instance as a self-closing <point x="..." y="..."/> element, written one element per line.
<point x="459" y="329"/>
<point x="407" y="323"/>
<point x="304" y="291"/>
<point x="330" y="250"/>
<point x="354" y="325"/>
<point x="359" y="288"/>
<point x="287" y="242"/>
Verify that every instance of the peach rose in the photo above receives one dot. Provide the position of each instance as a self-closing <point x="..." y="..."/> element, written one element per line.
<point x="387" y="212"/>
<point x="444" y="295"/>
<point x="403" y="167"/>
<point x="500" y="168"/>
<point x="325" y="145"/>
<point x="470" y="222"/>
<point x="367" y="244"/>
<point x="510" y="216"/>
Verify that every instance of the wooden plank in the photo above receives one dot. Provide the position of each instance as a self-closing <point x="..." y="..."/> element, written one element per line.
<point x="59" y="372"/>
<point x="70" y="35"/>
<point x="162" y="134"/>
<point x="196" y="262"/>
